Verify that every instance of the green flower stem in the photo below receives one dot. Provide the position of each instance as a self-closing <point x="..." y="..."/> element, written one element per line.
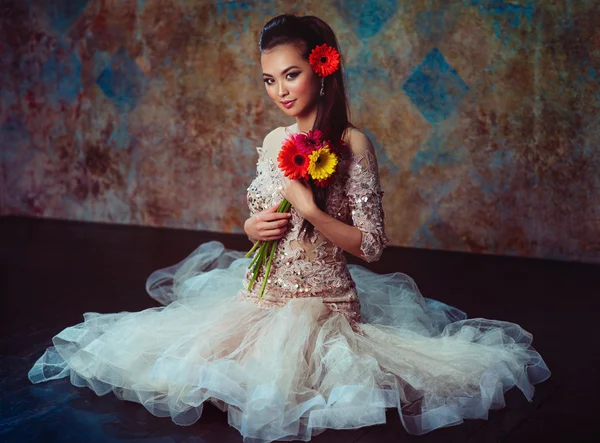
<point x="273" y="246"/>
<point x="261" y="258"/>
<point x="264" y="248"/>
<point x="284" y="206"/>
<point x="256" y="244"/>
<point x="253" y="262"/>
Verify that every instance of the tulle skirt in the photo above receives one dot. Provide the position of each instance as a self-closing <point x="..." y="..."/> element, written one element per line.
<point x="291" y="372"/>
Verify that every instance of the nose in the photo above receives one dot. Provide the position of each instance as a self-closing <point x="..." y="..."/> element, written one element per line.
<point x="281" y="90"/>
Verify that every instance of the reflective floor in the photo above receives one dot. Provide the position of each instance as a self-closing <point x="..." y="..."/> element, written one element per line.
<point x="51" y="272"/>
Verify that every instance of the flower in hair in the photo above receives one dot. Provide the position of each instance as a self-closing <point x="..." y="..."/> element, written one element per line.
<point x="325" y="60"/>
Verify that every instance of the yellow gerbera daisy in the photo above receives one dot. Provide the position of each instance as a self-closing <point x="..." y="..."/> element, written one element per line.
<point x="322" y="163"/>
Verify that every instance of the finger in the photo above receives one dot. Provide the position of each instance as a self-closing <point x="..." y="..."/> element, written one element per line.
<point x="276" y="216"/>
<point x="277" y="223"/>
<point x="272" y="238"/>
<point x="270" y="226"/>
<point x="274" y="232"/>
<point x="272" y="209"/>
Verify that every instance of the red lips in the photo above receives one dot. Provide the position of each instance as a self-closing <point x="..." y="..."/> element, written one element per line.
<point x="288" y="103"/>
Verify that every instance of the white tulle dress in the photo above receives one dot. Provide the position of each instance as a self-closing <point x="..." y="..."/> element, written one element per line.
<point x="328" y="346"/>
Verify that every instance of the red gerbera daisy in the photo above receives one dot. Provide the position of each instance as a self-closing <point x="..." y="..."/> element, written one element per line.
<point x="325" y="60"/>
<point x="324" y="183"/>
<point x="292" y="162"/>
<point x="307" y="143"/>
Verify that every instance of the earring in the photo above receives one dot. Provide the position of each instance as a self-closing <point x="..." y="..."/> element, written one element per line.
<point x="322" y="92"/>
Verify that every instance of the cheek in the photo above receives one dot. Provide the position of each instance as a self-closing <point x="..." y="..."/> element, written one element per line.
<point x="272" y="92"/>
<point x="303" y="87"/>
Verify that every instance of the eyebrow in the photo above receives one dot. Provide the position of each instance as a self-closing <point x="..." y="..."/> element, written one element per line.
<point x="282" y="72"/>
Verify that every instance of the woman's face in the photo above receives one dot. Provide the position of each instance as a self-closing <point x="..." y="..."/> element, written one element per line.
<point x="290" y="80"/>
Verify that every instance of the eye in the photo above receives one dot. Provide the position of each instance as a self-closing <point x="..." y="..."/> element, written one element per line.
<point x="289" y="76"/>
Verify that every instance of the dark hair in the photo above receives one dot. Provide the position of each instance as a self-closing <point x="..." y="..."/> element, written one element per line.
<point x="332" y="109"/>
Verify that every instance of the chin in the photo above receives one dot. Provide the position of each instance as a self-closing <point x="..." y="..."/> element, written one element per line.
<point x="294" y="112"/>
<point x="289" y="112"/>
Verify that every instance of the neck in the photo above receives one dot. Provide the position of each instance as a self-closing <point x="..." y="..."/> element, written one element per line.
<point x="305" y="122"/>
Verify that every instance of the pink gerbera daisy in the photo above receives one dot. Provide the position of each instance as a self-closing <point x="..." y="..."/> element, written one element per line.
<point x="309" y="142"/>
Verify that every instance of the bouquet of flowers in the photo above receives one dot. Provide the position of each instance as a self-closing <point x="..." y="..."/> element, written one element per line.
<point x="303" y="156"/>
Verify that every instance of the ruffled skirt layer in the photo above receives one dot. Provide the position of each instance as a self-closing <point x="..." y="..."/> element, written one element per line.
<point x="289" y="373"/>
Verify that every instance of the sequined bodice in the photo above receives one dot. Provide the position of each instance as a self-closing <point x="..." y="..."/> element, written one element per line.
<point x="310" y="265"/>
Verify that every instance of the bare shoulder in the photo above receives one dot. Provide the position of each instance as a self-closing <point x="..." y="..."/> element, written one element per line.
<point x="272" y="141"/>
<point x="358" y="142"/>
<point x="272" y="135"/>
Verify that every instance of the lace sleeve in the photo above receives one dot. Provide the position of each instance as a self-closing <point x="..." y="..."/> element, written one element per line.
<point x="253" y="197"/>
<point x="365" y="199"/>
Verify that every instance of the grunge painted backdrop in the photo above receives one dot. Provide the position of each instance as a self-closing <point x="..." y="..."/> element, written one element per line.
<point x="485" y="114"/>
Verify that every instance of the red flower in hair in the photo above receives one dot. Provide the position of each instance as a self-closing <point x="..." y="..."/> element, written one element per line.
<point x="325" y="60"/>
<point x="307" y="143"/>
<point x="292" y="162"/>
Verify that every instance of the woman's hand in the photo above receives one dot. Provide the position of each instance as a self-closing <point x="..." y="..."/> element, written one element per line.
<point x="300" y="195"/>
<point x="267" y="225"/>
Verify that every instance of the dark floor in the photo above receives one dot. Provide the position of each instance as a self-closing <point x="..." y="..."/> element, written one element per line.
<point x="51" y="272"/>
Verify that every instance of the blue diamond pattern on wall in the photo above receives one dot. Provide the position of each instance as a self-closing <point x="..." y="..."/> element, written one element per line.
<point x="367" y="18"/>
<point x="62" y="13"/>
<point x="435" y="88"/>
<point x="503" y="13"/>
<point x="123" y="81"/>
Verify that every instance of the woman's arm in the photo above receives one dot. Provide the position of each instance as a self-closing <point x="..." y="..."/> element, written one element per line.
<point x="268" y="224"/>
<point x="366" y="239"/>
<point x="346" y="237"/>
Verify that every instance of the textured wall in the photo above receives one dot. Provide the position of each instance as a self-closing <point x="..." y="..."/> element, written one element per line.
<point x="484" y="114"/>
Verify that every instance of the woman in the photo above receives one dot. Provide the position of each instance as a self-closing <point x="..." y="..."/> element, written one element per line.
<point x="327" y="345"/>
